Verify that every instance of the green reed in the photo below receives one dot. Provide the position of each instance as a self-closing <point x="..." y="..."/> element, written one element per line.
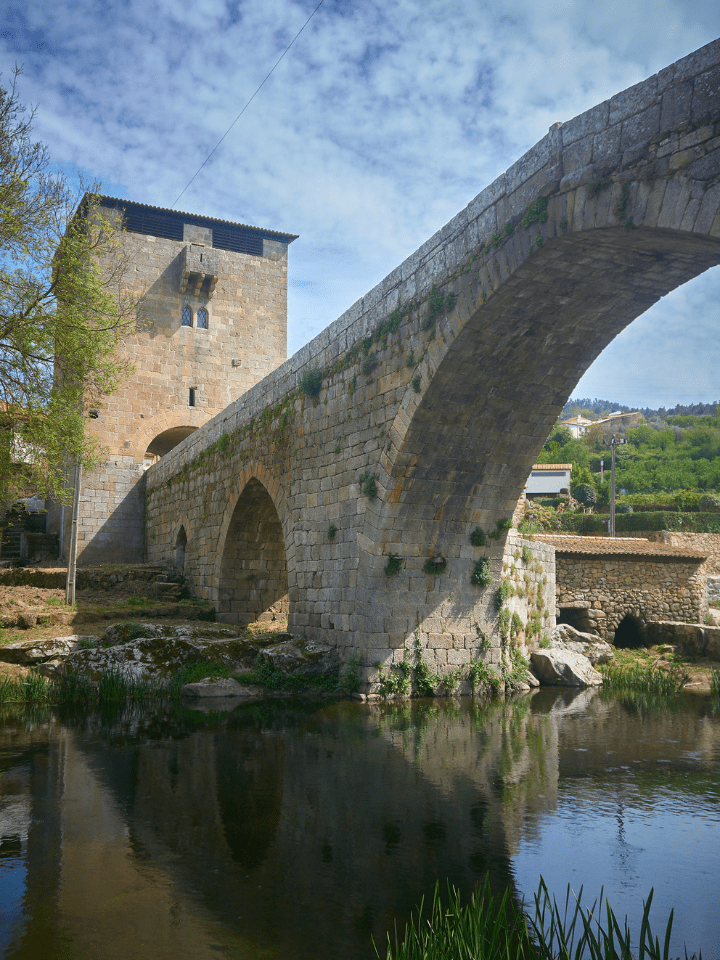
<point x="492" y="928"/>
<point x="637" y="678"/>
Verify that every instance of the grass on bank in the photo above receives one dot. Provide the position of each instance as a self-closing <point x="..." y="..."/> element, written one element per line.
<point x="116" y="686"/>
<point x="491" y="928"/>
<point x="641" y="678"/>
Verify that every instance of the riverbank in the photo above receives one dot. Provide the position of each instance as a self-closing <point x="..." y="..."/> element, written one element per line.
<point x="32" y="608"/>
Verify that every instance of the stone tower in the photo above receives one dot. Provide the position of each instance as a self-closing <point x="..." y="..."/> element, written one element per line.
<point x="215" y="323"/>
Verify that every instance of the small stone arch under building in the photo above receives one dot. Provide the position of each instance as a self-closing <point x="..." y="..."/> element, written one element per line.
<point x="253" y="580"/>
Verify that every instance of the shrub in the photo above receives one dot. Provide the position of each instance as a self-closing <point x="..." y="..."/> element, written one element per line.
<point x="585" y="494"/>
<point x="369" y="364"/>
<point x="310" y="382"/>
<point x="394" y="565"/>
<point x="623" y="508"/>
<point x="527" y="555"/>
<point x="503" y="593"/>
<point x="481" y="575"/>
<point x="710" y="503"/>
<point x="332" y="530"/>
<point x="416" y="383"/>
<point x="368" y="484"/>
<point x="500" y="527"/>
<point x="478" y="538"/>
<point x="436" y="564"/>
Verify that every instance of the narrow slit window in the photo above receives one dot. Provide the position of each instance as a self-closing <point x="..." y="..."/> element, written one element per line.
<point x="202" y="318"/>
<point x="186" y="317"/>
<point x="191" y="399"/>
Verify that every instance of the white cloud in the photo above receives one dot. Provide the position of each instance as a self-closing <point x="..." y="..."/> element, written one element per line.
<point x="376" y="128"/>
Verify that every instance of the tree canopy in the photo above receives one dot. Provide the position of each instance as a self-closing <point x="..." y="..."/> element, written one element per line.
<point x="61" y="296"/>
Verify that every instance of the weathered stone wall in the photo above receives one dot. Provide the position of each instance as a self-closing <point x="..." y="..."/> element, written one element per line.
<point x="607" y="589"/>
<point x="713" y="591"/>
<point x="709" y="542"/>
<point x="440" y="386"/>
<point x="245" y="339"/>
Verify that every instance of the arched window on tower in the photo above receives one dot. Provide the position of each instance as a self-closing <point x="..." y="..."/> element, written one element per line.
<point x="202" y="318"/>
<point x="186" y="317"/>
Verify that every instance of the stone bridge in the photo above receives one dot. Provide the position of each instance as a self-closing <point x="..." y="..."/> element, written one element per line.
<point x="346" y="485"/>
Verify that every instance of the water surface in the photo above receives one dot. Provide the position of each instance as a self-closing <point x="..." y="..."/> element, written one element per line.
<point x="302" y="831"/>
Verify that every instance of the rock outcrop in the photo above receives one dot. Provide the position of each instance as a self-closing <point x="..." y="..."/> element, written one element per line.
<point x="564" y="668"/>
<point x="565" y="637"/>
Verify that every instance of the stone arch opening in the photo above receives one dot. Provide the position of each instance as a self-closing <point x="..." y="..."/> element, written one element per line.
<point x="253" y="572"/>
<point x="164" y="442"/>
<point x="577" y="617"/>
<point x="628" y="634"/>
<point x="180" y="544"/>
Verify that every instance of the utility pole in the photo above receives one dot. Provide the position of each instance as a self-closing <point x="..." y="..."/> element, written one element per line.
<point x="613" y="444"/>
<point x="72" y="554"/>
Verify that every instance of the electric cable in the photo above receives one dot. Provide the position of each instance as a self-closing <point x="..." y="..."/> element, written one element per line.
<point x="247" y="104"/>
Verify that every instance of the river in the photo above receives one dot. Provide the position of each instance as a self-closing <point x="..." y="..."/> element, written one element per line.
<point x="298" y="830"/>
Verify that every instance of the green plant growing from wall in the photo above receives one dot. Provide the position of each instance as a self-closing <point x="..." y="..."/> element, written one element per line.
<point x="438" y="303"/>
<point x="598" y="184"/>
<point x="504" y="622"/>
<point x="536" y="212"/>
<point x="500" y="527"/>
<point x="527" y="555"/>
<point x="451" y="679"/>
<point x="478" y="537"/>
<point x="396" y="680"/>
<point x="332" y="530"/>
<point x="416" y="383"/>
<point x="369" y="364"/>
<point x="516" y="626"/>
<point x="504" y="592"/>
<point x="223" y="444"/>
<point x="394" y="565"/>
<point x="368" y="484"/>
<point x="435" y="565"/>
<point x="481" y="575"/>
<point x="623" y="200"/>
<point x="480" y="674"/>
<point x="349" y="677"/>
<point x="410" y="360"/>
<point x="425" y="680"/>
<point x="310" y="382"/>
<point x="519" y="669"/>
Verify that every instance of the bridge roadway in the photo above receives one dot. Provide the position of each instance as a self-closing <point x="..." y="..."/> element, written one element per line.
<point x="439" y="387"/>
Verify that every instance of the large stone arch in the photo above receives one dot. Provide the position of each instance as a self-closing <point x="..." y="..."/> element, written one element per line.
<point x="252" y="564"/>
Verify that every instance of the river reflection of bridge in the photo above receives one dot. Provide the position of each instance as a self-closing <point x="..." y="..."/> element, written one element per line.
<point x="282" y="832"/>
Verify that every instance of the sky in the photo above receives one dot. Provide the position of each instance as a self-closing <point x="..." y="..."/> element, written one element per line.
<point x="381" y="122"/>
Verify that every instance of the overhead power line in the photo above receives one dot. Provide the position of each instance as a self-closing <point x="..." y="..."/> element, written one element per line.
<point x="248" y="103"/>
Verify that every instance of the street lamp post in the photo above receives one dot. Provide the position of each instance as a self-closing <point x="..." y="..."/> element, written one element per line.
<point x="613" y="444"/>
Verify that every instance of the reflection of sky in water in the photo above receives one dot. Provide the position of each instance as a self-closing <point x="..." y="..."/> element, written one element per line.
<point x="13" y="874"/>
<point x="615" y="838"/>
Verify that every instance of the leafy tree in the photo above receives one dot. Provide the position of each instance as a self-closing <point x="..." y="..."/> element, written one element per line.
<point x="585" y="494"/>
<point x="61" y="270"/>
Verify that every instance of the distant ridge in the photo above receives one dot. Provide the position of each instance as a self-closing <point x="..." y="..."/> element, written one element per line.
<point x="600" y="407"/>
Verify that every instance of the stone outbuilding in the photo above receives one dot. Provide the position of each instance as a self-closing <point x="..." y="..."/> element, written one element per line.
<point x="615" y="586"/>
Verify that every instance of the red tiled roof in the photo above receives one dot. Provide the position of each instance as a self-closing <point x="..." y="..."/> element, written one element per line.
<point x="567" y="543"/>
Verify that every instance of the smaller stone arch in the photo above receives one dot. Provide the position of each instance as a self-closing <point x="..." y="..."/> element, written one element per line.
<point x="629" y="633"/>
<point x="180" y="544"/>
<point x="252" y="565"/>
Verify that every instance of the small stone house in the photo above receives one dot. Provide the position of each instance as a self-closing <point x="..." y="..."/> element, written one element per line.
<point x="614" y="587"/>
